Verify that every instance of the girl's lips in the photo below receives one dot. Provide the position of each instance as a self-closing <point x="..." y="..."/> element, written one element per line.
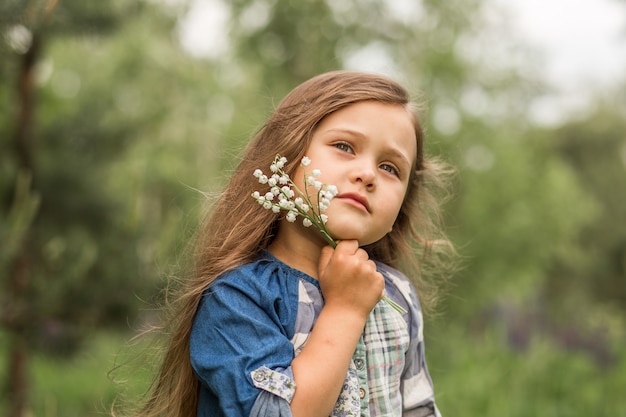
<point x="356" y="199"/>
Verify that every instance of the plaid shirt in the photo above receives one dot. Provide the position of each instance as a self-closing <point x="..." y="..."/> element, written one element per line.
<point x="244" y="368"/>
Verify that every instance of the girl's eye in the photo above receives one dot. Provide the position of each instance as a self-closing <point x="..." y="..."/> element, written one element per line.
<point x="390" y="169"/>
<point x="342" y="146"/>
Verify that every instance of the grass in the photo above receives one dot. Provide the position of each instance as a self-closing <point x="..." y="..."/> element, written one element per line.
<point x="84" y="385"/>
<point x="481" y="376"/>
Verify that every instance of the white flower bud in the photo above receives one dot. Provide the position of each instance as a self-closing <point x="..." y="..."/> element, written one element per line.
<point x="305" y="161"/>
<point x="291" y="217"/>
<point x="306" y="222"/>
<point x="288" y="192"/>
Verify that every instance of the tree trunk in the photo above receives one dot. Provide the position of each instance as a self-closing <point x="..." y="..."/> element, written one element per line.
<point x="18" y="386"/>
<point x="18" y="322"/>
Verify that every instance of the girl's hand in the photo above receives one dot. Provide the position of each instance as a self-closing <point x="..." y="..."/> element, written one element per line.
<point x="351" y="288"/>
<point x="348" y="278"/>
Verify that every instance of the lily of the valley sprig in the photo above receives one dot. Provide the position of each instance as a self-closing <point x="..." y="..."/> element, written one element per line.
<point x="285" y="195"/>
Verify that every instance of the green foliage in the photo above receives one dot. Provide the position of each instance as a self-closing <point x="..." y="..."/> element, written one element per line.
<point x="111" y="164"/>
<point x="596" y="149"/>
<point x="480" y="375"/>
<point x="86" y="384"/>
<point x="513" y="206"/>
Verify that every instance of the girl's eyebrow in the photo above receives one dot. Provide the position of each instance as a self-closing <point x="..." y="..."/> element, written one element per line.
<point x="391" y="150"/>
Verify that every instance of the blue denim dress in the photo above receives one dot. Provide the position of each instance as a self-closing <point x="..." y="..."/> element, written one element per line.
<point x="252" y="322"/>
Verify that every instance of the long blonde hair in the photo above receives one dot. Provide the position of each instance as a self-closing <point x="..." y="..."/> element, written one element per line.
<point x="236" y="230"/>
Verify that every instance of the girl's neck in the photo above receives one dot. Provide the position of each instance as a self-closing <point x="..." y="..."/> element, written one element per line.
<point x="298" y="252"/>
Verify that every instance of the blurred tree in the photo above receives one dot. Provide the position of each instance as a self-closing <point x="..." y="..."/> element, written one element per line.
<point x="83" y="84"/>
<point x="273" y="46"/>
<point x="276" y="45"/>
<point x="26" y="30"/>
<point x="595" y="148"/>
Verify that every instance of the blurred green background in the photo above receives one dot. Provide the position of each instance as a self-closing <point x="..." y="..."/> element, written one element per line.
<point x="112" y="134"/>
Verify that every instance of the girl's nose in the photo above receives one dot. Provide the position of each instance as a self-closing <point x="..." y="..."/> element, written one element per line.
<point x="367" y="176"/>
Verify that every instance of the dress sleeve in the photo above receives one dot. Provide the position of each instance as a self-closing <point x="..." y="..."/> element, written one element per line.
<point x="240" y="347"/>
<point x="271" y="403"/>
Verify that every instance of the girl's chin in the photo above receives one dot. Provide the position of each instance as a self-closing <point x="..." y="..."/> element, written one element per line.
<point x="346" y="235"/>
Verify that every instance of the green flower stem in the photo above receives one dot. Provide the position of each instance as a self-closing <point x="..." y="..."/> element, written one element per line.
<point x="394" y="305"/>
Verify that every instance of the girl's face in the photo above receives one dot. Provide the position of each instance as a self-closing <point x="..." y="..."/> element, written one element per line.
<point x="367" y="150"/>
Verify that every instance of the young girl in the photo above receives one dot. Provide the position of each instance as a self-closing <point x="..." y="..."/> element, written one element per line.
<point x="275" y="322"/>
